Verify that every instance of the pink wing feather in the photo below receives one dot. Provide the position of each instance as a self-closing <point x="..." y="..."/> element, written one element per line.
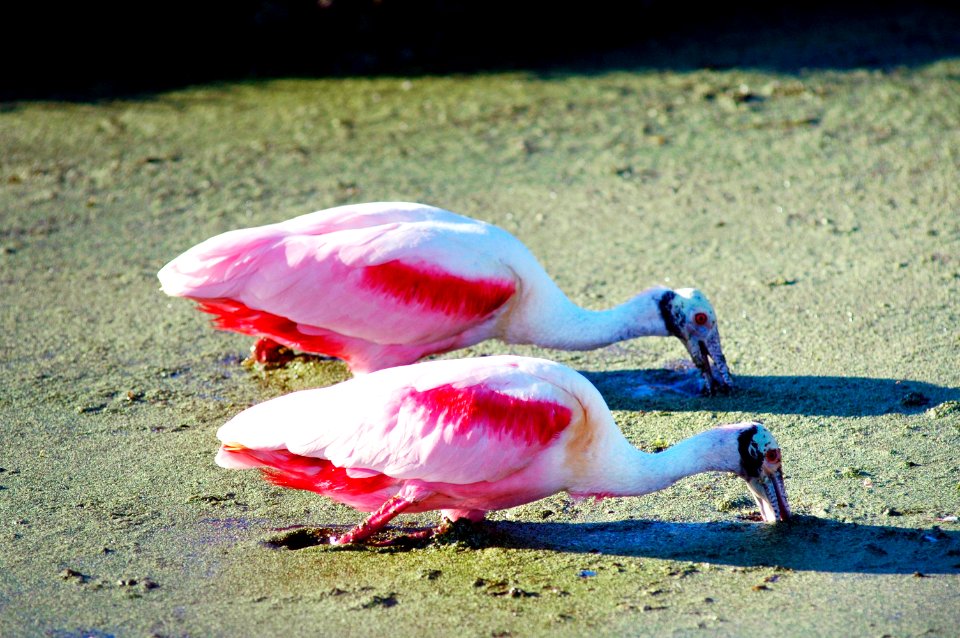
<point x="382" y="274"/>
<point x="457" y="421"/>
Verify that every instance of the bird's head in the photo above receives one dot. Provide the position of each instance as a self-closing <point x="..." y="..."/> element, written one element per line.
<point x="688" y="316"/>
<point x="761" y="468"/>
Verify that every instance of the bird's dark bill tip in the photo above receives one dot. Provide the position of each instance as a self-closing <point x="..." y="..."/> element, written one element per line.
<point x="716" y="377"/>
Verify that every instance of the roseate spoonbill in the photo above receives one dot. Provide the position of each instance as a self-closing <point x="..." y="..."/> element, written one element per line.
<point x="384" y="284"/>
<point x="465" y="436"/>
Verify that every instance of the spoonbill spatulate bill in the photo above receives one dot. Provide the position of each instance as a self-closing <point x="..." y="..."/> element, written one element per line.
<point x="384" y="284"/>
<point x="466" y="436"/>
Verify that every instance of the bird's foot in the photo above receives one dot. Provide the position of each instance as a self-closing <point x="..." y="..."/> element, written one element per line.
<point x="379" y="519"/>
<point x="343" y="539"/>
<point x="269" y="353"/>
<point x="417" y="538"/>
<point x="414" y="538"/>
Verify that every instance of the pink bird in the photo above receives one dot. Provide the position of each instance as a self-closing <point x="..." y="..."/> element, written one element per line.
<point x="466" y="436"/>
<point x="385" y="284"/>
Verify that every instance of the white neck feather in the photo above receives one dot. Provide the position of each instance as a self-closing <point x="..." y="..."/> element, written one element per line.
<point x="627" y="471"/>
<point x="548" y="318"/>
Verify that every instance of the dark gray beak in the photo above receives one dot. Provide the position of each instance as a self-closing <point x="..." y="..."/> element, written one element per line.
<point x="716" y="377"/>
<point x="770" y="494"/>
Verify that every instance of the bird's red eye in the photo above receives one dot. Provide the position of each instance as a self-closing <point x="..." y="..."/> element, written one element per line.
<point x="700" y="318"/>
<point x="773" y="455"/>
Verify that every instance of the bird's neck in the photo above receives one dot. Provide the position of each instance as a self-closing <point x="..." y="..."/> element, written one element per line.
<point x="559" y="323"/>
<point x="632" y="472"/>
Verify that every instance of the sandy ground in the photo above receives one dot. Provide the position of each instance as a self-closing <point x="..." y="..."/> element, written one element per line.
<point x="818" y="209"/>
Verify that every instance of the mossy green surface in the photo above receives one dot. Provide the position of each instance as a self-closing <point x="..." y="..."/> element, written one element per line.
<point x="819" y="212"/>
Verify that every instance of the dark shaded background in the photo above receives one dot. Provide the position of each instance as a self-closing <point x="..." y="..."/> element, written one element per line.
<point x="95" y="50"/>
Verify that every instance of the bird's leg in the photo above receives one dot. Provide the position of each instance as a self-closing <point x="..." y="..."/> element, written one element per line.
<point x="268" y="351"/>
<point x="377" y="521"/>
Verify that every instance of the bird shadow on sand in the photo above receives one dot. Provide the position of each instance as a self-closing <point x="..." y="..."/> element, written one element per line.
<point x="805" y="543"/>
<point x="678" y="390"/>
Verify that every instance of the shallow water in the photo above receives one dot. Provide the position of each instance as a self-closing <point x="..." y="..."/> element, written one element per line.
<point x="820" y="216"/>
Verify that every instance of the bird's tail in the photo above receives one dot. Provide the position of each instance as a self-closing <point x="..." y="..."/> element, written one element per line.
<point x="286" y="469"/>
<point x="210" y="268"/>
